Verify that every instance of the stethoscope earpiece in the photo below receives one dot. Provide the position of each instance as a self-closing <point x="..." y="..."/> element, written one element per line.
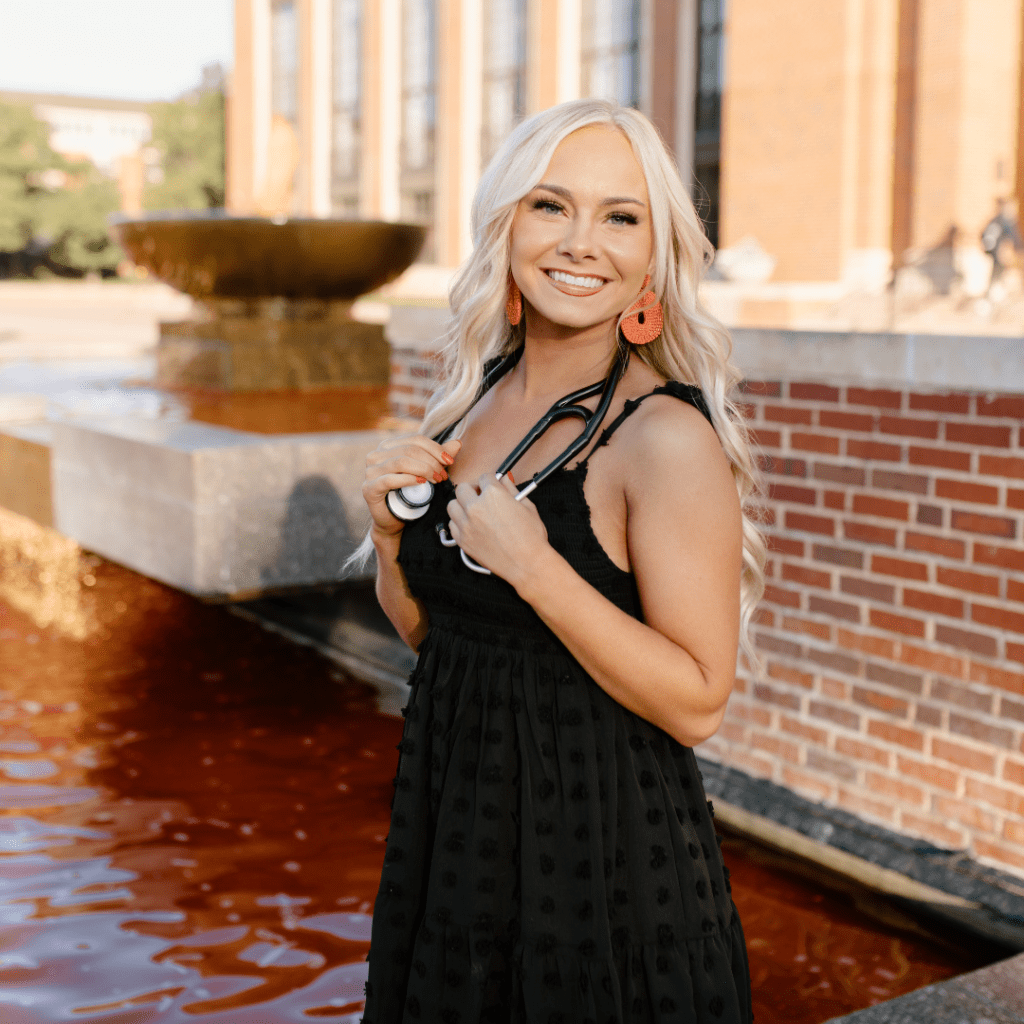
<point x="411" y="502"/>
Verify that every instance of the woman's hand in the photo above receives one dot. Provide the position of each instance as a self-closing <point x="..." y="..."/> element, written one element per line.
<point x="502" y="534"/>
<point x="399" y="462"/>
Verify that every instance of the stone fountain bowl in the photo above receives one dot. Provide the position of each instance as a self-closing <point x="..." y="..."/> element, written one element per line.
<point x="215" y="255"/>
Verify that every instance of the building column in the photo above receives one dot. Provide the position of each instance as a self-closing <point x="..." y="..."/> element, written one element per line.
<point x="381" y="116"/>
<point x="553" y="34"/>
<point x="248" y="108"/>
<point x="315" y="33"/>
<point x="459" y="119"/>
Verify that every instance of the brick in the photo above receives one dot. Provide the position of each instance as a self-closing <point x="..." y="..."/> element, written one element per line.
<point x="1014" y="590"/>
<point x="868" y="589"/>
<point x="908" y="682"/>
<point x="960" y="579"/>
<point x="872" y="505"/>
<point x="947" y="547"/>
<point x="810" y="524"/>
<point x="928" y="714"/>
<point x="1014" y="831"/>
<point x="983" y="732"/>
<point x="787" y="492"/>
<point x="780" y="596"/>
<point x="1003" y="855"/>
<point x="1010" y="407"/>
<point x="833" y="766"/>
<point x="1001" y="465"/>
<point x="851" y="476"/>
<point x="933" y="831"/>
<point x="835" y="688"/>
<point x="897" y="789"/>
<point x="839" y="420"/>
<point x="784" y="466"/>
<point x="869" y="533"/>
<point x="748" y="410"/>
<point x="759" y="767"/>
<point x="847" y="557"/>
<point x="965" y="812"/>
<point x="733" y="732"/>
<point x="963" y="490"/>
<point x="892" y="733"/>
<point x="928" y="773"/>
<point x="1013" y="771"/>
<point x="995" y="796"/>
<point x="821" y="443"/>
<point x="888" y="480"/>
<point x="930" y="515"/>
<point x="905" y="426"/>
<point x="787" y="414"/>
<point x="762" y="388"/>
<point x="836" y="500"/>
<point x="1000" y="618"/>
<point x="863" y="752"/>
<point x="896" y="623"/>
<point x="805" y="784"/>
<point x="1014" y="652"/>
<point x="865" y="806"/>
<point x="903" y="568"/>
<point x="802" y="729"/>
<point x="880" y="398"/>
<point x="834" y="660"/>
<point x="752" y="713"/>
<point x="774" y="745"/>
<point x="1003" y="558"/>
<point x="879" y="646"/>
<point x="833" y="713"/>
<point x="959" y="404"/>
<point x="1014" y="498"/>
<point x="931" y="660"/>
<point x="1011" y="709"/>
<point x="962" y="696"/>
<point x="834" y="609"/>
<point x="780" y="698"/>
<point x="978" y="434"/>
<point x="942" y="458"/>
<point x="883" y="702"/>
<point x="777" y="645"/>
<point x="978" y="643"/>
<point x="820" y="630"/>
<point x="788" y="674"/>
<point x="785" y="545"/>
<point x="928" y="601"/>
<point x="974" y="522"/>
<point x="966" y="757"/>
<point x="808" y="392"/>
<point x="766" y="438"/>
<point x="878" y="451"/>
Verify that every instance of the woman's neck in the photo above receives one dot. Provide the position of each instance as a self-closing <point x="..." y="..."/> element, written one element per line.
<point x="555" y="365"/>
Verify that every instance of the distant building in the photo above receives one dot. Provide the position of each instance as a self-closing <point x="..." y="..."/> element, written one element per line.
<point x="111" y="134"/>
<point x="834" y="134"/>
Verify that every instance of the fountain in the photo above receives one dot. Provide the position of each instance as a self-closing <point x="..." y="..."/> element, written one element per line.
<point x="274" y="297"/>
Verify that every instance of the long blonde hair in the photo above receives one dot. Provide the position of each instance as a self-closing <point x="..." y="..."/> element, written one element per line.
<point x="693" y="347"/>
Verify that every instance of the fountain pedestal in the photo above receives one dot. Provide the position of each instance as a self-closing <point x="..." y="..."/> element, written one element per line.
<point x="271" y="345"/>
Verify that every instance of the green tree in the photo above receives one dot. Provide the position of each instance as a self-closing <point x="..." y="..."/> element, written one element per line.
<point x="189" y="135"/>
<point x="25" y="156"/>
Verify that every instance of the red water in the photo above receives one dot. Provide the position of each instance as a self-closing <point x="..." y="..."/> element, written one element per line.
<point x="194" y="813"/>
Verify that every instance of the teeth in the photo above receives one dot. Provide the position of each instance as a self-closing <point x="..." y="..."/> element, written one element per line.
<point x="576" y="282"/>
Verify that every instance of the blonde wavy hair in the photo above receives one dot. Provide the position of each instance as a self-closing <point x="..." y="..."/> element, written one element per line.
<point x="693" y="347"/>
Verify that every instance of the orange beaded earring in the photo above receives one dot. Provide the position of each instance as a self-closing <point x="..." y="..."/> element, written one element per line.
<point x="644" y="319"/>
<point x="514" y="303"/>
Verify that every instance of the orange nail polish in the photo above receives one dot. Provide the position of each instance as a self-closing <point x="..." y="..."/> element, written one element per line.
<point x="447" y="459"/>
<point x="421" y="479"/>
<point x="438" y="477"/>
<point x="511" y="477"/>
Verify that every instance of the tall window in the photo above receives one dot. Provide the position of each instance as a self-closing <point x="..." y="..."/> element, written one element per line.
<point x="284" y="84"/>
<point x="707" y="141"/>
<point x="611" y="50"/>
<point x="504" y="92"/>
<point x="345" y="106"/>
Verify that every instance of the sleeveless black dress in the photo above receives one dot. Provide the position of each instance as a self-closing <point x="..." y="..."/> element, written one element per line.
<point x="551" y="856"/>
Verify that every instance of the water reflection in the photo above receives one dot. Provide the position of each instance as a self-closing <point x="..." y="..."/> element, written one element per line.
<point x="192" y="819"/>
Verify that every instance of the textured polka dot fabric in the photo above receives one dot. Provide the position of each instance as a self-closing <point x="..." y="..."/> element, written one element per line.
<point x="551" y="856"/>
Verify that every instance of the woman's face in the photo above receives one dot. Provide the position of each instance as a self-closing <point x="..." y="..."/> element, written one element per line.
<point x="581" y="240"/>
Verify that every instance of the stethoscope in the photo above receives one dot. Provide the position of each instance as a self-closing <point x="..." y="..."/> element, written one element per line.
<point x="411" y="503"/>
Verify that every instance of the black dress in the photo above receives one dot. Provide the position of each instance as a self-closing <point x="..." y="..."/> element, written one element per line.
<point x="551" y="856"/>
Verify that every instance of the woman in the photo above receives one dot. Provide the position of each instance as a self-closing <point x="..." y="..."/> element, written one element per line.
<point x="551" y="854"/>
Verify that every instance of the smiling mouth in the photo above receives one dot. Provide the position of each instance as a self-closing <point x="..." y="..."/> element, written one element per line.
<point x="576" y="281"/>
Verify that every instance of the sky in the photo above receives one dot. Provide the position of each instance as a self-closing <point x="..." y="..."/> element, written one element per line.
<point x="114" y="49"/>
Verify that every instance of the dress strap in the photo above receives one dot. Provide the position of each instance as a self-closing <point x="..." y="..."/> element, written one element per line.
<point x="689" y="393"/>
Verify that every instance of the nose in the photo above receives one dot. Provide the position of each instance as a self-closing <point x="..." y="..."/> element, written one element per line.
<point x="580" y="239"/>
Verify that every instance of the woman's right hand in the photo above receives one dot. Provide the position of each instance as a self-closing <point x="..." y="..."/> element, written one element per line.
<point x="399" y="462"/>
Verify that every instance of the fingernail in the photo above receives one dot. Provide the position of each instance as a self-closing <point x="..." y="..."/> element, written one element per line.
<point x="438" y="477"/>
<point x="447" y="459"/>
<point x="421" y="479"/>
<point x="512" y="478"/>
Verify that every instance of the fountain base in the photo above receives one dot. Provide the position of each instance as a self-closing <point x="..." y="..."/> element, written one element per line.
<point x="239" y="345"/>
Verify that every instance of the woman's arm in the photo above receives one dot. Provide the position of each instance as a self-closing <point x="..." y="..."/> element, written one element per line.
<point x="676" y="669"/>
<point x="397" y="463"/>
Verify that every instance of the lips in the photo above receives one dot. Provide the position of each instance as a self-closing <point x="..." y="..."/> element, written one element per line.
<point x="576" y="284"/>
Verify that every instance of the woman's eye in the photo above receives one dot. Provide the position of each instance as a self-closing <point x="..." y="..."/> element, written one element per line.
<point x="622" y="218"/>
<point x="547" y="205"/>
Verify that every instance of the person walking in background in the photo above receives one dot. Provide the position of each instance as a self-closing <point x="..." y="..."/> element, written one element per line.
<point x="998" y="233"/>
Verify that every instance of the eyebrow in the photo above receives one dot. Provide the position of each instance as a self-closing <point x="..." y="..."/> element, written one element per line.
<point x="610" y="201"/>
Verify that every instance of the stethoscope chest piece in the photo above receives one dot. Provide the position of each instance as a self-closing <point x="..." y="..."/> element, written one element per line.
<point x="410" y="503"/>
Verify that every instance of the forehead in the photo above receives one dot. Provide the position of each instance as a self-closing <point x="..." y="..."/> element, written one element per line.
<point x="597" y="160"/>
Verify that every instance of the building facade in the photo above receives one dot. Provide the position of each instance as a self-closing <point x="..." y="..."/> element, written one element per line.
<point x="847" y="139"/>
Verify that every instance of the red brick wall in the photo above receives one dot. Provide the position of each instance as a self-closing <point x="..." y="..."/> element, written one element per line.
<point x="412" y="381"/>
<point x="892" y="630"/>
